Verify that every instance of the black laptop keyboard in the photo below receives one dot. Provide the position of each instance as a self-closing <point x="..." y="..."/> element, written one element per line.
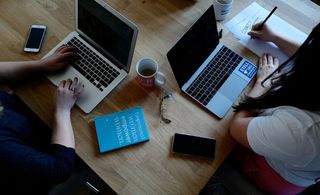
<point x="91" y="66"/>
<point x="208" y="82"/>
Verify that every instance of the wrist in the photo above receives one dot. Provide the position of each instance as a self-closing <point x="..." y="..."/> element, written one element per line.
<point x="62" y="132"/>
<point x="276" y="39"/>
<point x="62" y="113"/>
<point x="257" y="90"/>
<point x="39" y="64"/>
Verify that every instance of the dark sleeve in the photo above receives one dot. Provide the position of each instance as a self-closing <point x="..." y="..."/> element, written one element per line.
<point x="54" y="166"/>
<point x="24" y="145"/>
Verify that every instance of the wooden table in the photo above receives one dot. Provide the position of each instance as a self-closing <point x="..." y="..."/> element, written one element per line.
<point x="148" y="168"/>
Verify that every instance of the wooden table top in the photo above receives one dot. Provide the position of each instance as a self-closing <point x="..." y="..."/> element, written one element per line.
<point x="148" y="168"/>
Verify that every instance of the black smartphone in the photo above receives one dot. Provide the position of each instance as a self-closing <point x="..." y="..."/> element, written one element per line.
<point x="35" y="38"/>
<point x="194" y="145"/>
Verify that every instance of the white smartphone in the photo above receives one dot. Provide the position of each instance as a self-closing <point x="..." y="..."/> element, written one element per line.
<point x="194" y="145"/>
<point x="35" y="38"/>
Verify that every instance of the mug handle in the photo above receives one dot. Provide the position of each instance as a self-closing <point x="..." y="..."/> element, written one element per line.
<point x="160" y="79"/>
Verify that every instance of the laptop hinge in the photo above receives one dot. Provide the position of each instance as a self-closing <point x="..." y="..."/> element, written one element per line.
<point x="108" y="56"/>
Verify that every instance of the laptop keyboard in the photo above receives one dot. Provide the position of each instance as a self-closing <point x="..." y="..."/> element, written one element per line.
<point x="208" y="82"/>
<point x="91" y="66"/>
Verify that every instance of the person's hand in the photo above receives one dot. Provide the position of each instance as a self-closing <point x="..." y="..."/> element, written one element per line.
<point x="67" y="93"/>
<point x="267" y="65"/>
<point x="58" y="59"/>
<point x="265" y="34"/>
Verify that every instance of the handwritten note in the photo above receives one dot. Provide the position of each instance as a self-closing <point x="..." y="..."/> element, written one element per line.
<point x="242" y="23"/>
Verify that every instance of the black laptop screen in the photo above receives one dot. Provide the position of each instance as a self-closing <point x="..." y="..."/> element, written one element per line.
<point x="101" y="26"/>
<point x="194" y="47"/>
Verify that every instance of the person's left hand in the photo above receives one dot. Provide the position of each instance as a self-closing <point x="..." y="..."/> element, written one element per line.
<point x="58" y="59"/>
<point x="267" y="65"/>
<point x="67" y="93"/>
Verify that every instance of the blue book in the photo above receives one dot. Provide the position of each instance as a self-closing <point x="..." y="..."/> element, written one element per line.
<point x="121" y="129"/>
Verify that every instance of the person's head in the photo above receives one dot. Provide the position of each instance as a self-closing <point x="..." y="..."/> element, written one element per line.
<point x="295" y="82"/>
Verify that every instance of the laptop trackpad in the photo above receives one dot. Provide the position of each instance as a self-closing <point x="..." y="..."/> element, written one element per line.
<point x="227" y="95"/>
<point x="233" y="87"/>
<point x="219" y="105"/>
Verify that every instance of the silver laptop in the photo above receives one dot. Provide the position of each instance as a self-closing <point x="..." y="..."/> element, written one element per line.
<point x="205" y="69"/>
<point x="105" y="42"/>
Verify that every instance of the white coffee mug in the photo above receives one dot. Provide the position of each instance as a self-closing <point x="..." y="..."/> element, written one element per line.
<point x="149" y="74"/>
<point x="222" y="8"/>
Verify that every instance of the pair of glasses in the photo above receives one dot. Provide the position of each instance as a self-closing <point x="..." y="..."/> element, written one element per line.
<point x="163" y="107"/>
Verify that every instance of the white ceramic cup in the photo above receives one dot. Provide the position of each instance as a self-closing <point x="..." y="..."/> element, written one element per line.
<point x="222" y="8"/>
<point x="149" y="74"/>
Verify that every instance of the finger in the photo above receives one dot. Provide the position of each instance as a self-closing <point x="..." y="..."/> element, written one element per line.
<point x="256" y="25"/>
<point x="61" y="84"/>
<point x="68" y="84"/>
<point x="260" y="61"/>
<point x="61" y="47"/>
<point x="252" y="33"/>
<point x="75" y="81"/>
<point x="275" y="61"/>
<point x="264" y="59"/>
<point x="255" y="34"/>
<point x="68" y="48"/>
<point x="269" y="59"/>
<point x="79" y="91"/>
<point x="75" y="84"/>
<point x="66" y="56"/>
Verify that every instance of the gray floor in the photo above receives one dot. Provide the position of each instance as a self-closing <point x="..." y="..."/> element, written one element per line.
<point x="234" y="182"/>
<point x="83" y="181"/>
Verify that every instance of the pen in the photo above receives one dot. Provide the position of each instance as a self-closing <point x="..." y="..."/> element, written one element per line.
<point x="265" y="20"/>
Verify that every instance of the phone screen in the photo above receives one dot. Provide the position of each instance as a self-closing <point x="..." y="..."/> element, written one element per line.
<point x="35" y="39"/>
<point x="194" y="145"/>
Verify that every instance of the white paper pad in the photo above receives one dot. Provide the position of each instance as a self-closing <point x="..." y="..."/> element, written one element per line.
<point x="241" y="24"/>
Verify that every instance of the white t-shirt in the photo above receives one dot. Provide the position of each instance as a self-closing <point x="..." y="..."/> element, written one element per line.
<point x="289" y="139"/>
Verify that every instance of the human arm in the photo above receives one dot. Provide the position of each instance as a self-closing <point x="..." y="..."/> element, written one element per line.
<point x="20" y="159"/>
<point x="239" y="124"/>
<point x="287" y="45"/>
<point x="16" y="70"/>
<point x="40" y="162"/>
<point x="66" y="96"/>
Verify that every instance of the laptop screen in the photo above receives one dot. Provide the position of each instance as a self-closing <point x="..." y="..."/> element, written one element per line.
<point x="194" y="47"/>
<point x="111" y="35"/>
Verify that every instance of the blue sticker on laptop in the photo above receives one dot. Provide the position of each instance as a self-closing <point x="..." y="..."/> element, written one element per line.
<point x="248" y="69"/>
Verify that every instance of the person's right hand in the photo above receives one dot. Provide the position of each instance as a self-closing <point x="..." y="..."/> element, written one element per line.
<point x="265" y="34"/>
<point x="58" y="59"/>
<point x="67" y="93"/>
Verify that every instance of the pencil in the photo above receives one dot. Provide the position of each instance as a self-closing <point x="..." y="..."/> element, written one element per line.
<point x="265" y="20"/>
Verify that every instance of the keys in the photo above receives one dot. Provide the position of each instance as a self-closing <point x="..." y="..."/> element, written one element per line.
<point x="92" y="66"/>
<point x="208" y="82"/>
